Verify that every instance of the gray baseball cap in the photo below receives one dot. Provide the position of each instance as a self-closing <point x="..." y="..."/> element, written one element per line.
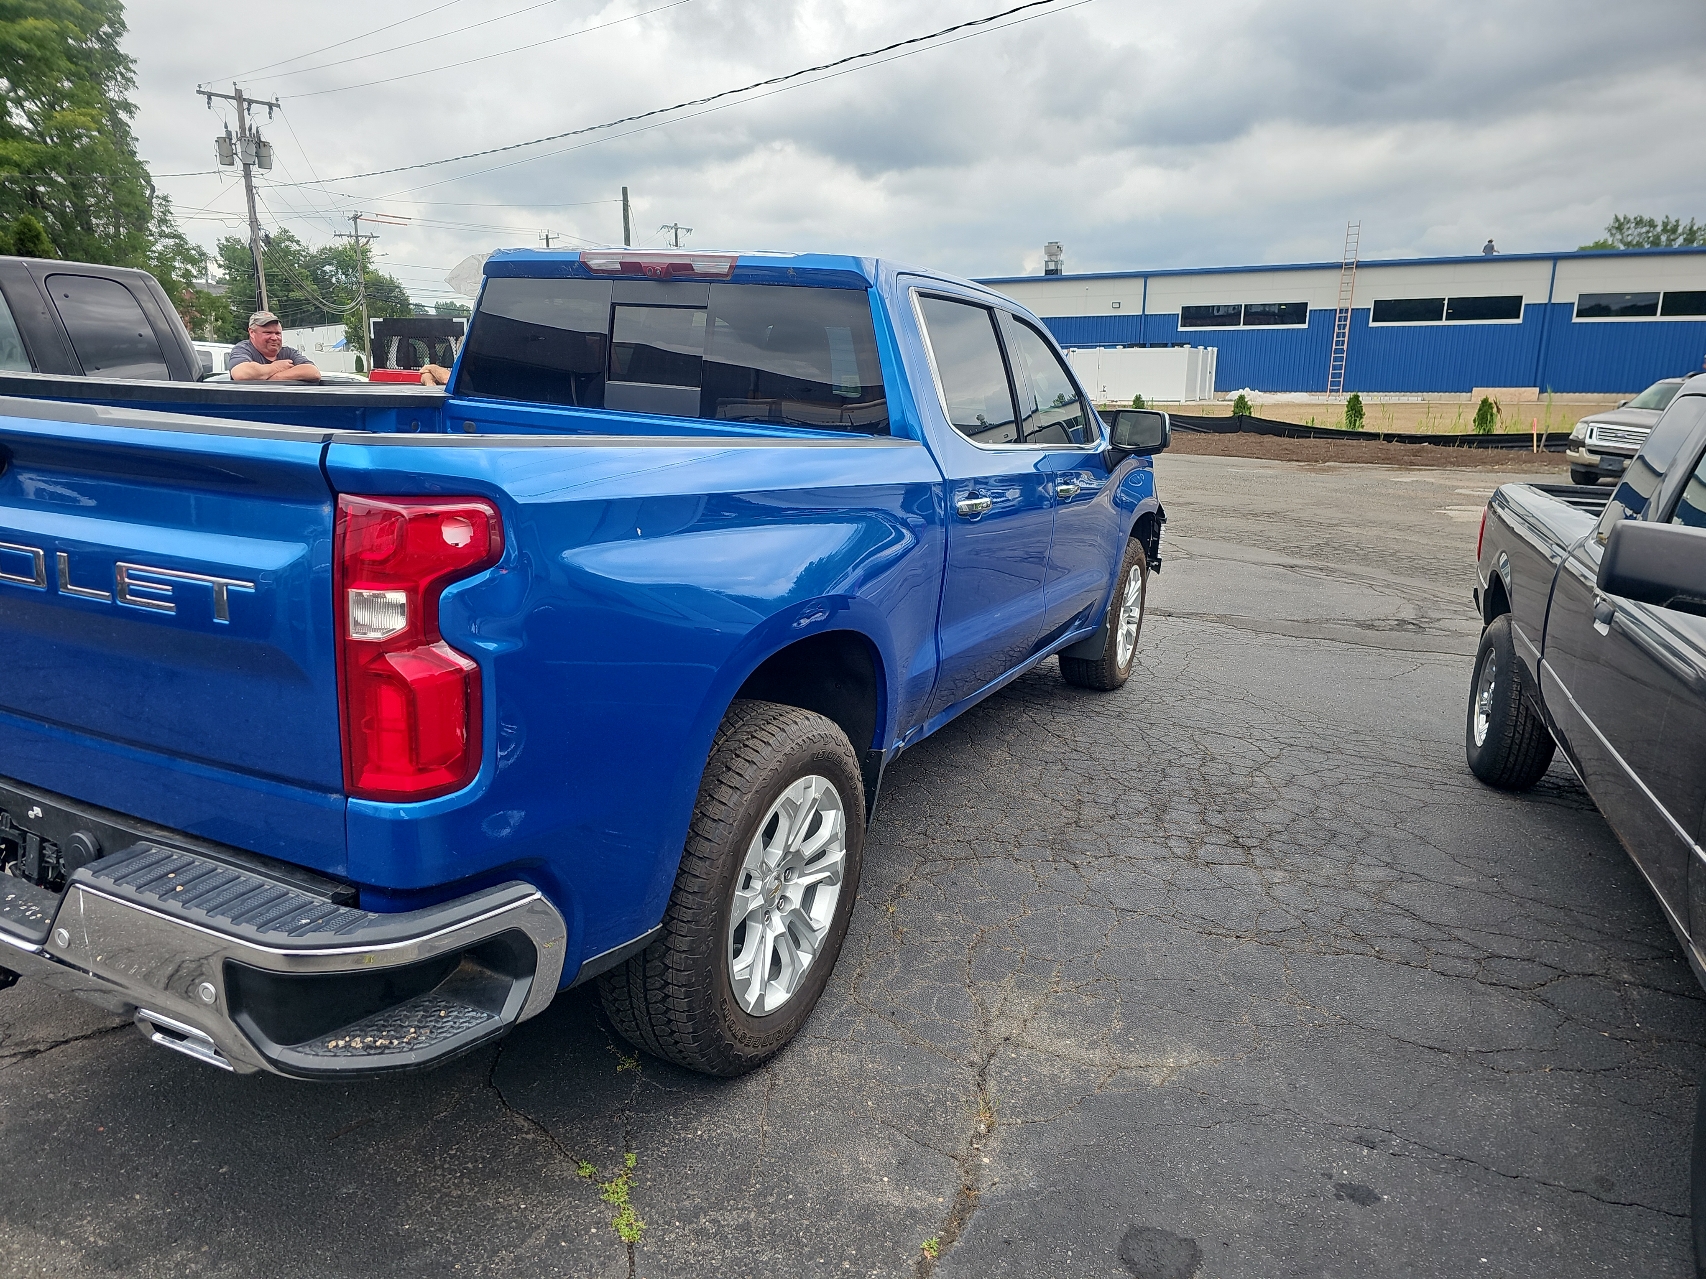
<point x="260" y="318"/>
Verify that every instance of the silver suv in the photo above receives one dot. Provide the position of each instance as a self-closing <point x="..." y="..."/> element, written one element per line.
<point x="1602" y="445"/>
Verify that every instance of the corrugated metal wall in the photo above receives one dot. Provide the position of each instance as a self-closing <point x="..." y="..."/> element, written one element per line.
<point x="1562" y="356"/>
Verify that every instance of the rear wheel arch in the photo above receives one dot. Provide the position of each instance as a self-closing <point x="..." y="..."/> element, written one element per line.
<point x="838" y="674"/>
<point x="1496" y="600"/>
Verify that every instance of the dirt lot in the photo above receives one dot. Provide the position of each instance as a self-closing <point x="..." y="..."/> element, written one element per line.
<point x="1275" y="449"/>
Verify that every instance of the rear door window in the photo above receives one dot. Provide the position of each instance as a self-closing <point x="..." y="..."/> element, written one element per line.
<point x="783" y="354"/>
<point x="970" y="371"/>
<point x="111" y="335"/>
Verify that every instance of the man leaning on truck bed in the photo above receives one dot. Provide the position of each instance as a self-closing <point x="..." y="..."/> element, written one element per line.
<point x="265" y="357"/>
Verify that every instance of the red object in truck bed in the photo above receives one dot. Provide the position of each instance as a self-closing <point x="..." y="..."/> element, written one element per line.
<point x="395" y="375"/>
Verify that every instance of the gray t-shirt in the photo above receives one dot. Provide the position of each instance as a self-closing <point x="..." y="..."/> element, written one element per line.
<point x="244" y="353"/>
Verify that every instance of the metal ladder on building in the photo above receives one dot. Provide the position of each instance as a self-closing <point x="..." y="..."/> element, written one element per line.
<point x="1342" y="318"/>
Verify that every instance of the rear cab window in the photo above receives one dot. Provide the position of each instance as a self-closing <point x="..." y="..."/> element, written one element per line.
<point x="780" y="354"/>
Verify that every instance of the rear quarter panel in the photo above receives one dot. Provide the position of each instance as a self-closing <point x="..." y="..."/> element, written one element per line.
<point x="1527" y="536"/>
<point x="642" y="581"/>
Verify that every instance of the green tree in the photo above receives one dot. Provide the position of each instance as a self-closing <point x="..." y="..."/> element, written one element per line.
<point x="1241" y="405"/>
<point x="1136" y="400"/>
<point x="461" y="311"/>
<point x="1636" y="231"/>
<point x="68" y="158"/>
<point x="307" y="287"/>
<point x="1354" y="412"/>
<point x="67" y="155"/>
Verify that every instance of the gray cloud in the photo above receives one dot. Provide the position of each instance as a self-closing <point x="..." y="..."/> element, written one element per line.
<point x="1138" y="133"/>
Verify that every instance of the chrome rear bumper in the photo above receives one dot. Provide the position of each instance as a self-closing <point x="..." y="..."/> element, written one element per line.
<point x="252" y="974"/>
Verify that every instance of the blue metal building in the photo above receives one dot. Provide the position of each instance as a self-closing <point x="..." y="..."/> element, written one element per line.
<point x="1595" y="322"/>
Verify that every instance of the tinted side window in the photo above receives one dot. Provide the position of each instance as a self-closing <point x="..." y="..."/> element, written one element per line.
<point x="1691" y="506"/>
<point x="111" y="335"/>
<point x="1056" y="415"/>
<point x="1640" y="483"/>
<point x="538" y="340"/>
<point x="13" y="357"/>
<point x="970" y="370"/>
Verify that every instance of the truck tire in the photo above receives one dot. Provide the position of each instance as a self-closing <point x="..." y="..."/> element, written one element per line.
<point x="1697" y="1180"/>
<point x="1111" y="665"/>
<point x="1579" y="476"/>
<point x="761" y="900"/>
<point x="1506" y="740"/>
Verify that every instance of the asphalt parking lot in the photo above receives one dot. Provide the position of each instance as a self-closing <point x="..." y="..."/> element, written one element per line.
<point x="1236" y="972"/>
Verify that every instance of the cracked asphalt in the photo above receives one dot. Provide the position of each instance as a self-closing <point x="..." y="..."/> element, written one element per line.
<point x="1236" y="972"/>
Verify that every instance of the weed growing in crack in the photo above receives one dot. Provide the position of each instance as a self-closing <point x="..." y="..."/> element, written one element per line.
<point x="932" y="1248"/>
<point x="586" y="1170"/>
<point x="626" y="1223"/>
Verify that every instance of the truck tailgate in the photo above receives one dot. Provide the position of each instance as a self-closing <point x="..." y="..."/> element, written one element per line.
<point x="166" y="619"/>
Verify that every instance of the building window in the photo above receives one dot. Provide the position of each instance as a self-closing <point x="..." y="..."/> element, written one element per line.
<point x="1482" y="310"/>
<point x="1276" y="313"/>
<point x="1408" y="311"/>
<point x="1210" y="317"/>
<point x="1617" y="306"/>
<point x="1689" y="303"/>
<point x="1247" y="315"/>
<point x="1474" y="310"/>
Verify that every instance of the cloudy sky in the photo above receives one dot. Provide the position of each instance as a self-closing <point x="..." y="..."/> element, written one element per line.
<point x="1139" y="133"/>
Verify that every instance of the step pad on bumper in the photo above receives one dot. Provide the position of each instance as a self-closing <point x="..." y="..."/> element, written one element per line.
<point x="176" y="880"/>
<point x="423" y="1023"/>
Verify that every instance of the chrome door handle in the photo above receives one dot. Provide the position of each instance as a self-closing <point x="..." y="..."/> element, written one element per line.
<point x="1603" y="611"/>
<point x="972" y="507"/>
<point x="1066" y="492"/>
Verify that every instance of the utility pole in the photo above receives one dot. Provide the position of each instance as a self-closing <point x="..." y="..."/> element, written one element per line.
<point x="627" y="221"/>
<point x="355" y="234"/>
<point x="677" y="231"/>
<point x="546" y="236"/>
<point x="254" y="151"/>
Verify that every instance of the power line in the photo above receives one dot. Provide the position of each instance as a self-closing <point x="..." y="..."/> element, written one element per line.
<point x="454" y="31"/>
<point x="695" y="102"/>
<point x="487" y="57"/>
<point x="413" y="17"/>
<point x="785" y="88"/>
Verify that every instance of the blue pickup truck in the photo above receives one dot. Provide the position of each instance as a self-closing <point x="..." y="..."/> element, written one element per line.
<point x="341" y="729"/>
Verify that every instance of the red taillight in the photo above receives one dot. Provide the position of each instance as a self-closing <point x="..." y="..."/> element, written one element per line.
<point x="1481" y="536"/>
<point x="660" y="266"/>
<point x="410" y="702"/>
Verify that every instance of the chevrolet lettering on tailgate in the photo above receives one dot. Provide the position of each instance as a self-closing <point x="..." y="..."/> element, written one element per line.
<point x="137" y="585"/>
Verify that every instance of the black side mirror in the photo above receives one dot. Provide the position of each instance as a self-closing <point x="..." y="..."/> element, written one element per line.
<point x="1662" y="564"/>
<point x="204" y="364"/>
<point x="1137" y="433"/>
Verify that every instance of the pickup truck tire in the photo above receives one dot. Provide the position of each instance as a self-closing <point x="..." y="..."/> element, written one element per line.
<point x="1506" y="740"/>
<point x="1111" y="667"/>
<point x="680" y="998"/>
<point x="1579" y="476"/>
<point x="1697" y="1180"/>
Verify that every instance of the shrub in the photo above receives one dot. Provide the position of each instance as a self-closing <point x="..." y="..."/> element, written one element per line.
<point x="1354" y="413"/>
<point x="29" y="240"/>
<point x="1486" y="416"/>
<point x="1137" y="401"/>
<point x="1241" y="405"/>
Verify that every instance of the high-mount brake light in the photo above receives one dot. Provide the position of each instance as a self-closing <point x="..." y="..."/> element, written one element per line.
<point x="410" y="703"/>
<point x="660" y="266"/>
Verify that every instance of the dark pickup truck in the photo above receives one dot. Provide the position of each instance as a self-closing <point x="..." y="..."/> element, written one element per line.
<point x="1595" y="641"/>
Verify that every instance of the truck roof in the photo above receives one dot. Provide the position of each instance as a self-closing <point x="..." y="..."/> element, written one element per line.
<point x="825" y="270"/>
